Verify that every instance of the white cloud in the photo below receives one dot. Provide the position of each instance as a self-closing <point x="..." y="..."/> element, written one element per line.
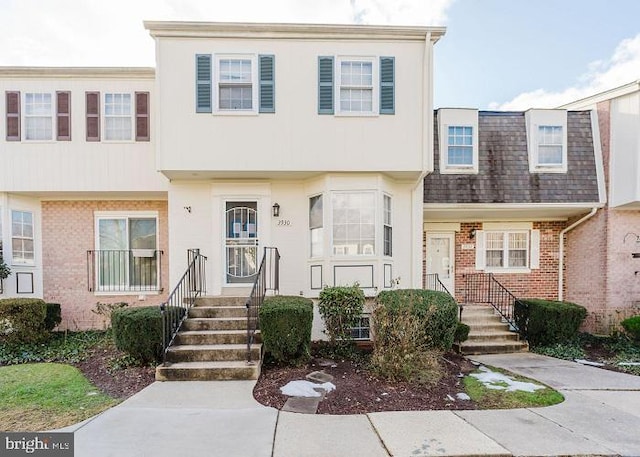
<point x="623" y="67"/>
<point x="107" y="33"/>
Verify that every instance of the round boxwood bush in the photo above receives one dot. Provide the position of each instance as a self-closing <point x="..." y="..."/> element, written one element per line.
<point x="632" y="327"/>
<point x="22" y="320"/>
<point x="138" y="332"/>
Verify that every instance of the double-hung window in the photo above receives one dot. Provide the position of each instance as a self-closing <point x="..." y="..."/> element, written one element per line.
<point x="127" y="256"/>
<point x="356" y="86"/>
<point x="235" y="84"/>
<point x="460" y="146"/>
<point x="507" y="249"/>
<point x="387" y="229"/>
<point x="118" y="117"/>
<point x="38" y="116"/>
<point x="22" y="245"/>
<point x="316" y="226"/>
<point x="354" y="223"/>
<point x="550" y="141"/>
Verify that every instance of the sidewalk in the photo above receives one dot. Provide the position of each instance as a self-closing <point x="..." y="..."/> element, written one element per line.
<point x="600" y="416"/>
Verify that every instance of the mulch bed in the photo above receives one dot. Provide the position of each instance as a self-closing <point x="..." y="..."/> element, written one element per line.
<point x="118" y="383"/>
<point x="358" y="391"/>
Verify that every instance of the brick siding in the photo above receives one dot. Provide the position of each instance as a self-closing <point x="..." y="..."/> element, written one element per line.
<point x="68" y="233"/>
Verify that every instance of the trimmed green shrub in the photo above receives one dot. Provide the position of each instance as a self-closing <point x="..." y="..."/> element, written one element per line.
<point x="53" y="317"/>
<point x="285" y="327"/>
<point x="546" y="322"/>
<point x="341" y="307"/>
<point x="462" y="332"/>
<point x="138" y="332"/>
<point x="631" y="325"/>
<point x="22" y="320"/>
<point x="437" y="312"/>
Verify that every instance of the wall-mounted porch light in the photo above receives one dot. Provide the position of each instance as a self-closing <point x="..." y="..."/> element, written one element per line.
<point x="472" y="233"/>
<point x="276" y="210"/>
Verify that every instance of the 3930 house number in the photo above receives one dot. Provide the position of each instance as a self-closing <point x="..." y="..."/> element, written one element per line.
<point x="284" y="223"/>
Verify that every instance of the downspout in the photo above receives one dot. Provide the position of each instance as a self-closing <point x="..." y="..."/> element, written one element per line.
<point x="561" y="250"/>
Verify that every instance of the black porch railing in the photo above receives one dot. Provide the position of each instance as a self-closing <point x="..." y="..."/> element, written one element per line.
<point x="485" y="288"/>
<point x="125" y="270"/>
<point x="268" y="278"/>
<point x="432" y="282"/>
<point x="192" y="284"/>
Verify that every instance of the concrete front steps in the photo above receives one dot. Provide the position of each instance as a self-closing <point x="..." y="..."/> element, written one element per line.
<point x="488" y="334"/>
<point x="212" y="344"/>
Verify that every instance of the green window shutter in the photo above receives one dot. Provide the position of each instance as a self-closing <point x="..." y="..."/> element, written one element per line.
<point x="267" y="83"/>
<point x="325" y="85"/>
<point x="387" y="85"/>
<point x="203" y="83"/>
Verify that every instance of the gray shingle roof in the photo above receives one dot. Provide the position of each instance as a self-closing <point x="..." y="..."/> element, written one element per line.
<point x="503" y="173"/>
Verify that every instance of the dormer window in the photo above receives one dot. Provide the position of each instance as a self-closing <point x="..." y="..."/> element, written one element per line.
<point x="458" y="133"/>
<point x="547" y="140"/>
<point x="550" y="145"/>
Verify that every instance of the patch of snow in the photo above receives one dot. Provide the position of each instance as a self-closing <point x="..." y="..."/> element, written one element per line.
<point x="305" y="388"/>
<point x="462" y="396"/>
<point x="588" y="362"/>
<point x="498" y="381"/>
<point x="629" y="364"/>
<point x="450" y="398"/>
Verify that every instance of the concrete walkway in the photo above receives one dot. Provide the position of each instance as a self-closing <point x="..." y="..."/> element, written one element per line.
<point x="601" y="416"/>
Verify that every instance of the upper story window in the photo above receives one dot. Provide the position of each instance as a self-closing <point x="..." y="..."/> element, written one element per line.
<point x="22" y="245"/>
<point x="550" y="145"/>
<point x="38" y="117"/>
<point x="460" y="146"/>
<point x="356" y="85"/>
<point x="458" y="133"/>
<point x="232" y="83"/>
<point x="118" y="117"/>
<point x="547" y="140"/>
<point x="121" y="116"/>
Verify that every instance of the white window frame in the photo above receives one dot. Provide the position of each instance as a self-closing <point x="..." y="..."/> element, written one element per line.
<point x="216" y="83"/>
<point x="317" y="231"/>
<point x="541" y="144"/>
<point x="457" y="117"/>
<point x="505" y="251"/>
<point x="374" y="87"/>
<point x="387" y="222"/>
<point x="27" y="262"/>
<point x="130" y="116"/>
<point x="345" y="250"/>
<point x="536" y="118"/>
<point x="26" y="117"/>
<point x="126" y="288"/>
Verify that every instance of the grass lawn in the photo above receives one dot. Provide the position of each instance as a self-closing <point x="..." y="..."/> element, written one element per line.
<point x="46" y="396"/>
<point x="487" y="398"/>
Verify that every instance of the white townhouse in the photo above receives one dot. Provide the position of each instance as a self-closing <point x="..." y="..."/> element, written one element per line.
<point x="314" y="139"/>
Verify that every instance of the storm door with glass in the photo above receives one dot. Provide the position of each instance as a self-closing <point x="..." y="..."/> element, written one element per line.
<point x="241" y="242"/>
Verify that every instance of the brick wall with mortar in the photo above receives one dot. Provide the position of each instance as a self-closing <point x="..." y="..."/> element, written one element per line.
<point x="68" y="232"/>
<point x="539" y="283"/>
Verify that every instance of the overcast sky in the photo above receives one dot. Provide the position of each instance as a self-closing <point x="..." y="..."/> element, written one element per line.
<point x="497" y="54"/>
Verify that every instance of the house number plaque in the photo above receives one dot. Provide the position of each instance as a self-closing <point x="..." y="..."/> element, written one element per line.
<point x="284" y="223"/>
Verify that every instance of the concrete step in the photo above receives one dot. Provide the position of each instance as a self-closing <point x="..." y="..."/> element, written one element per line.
<point x="208" y="371"/>
<point x="212" y="352"/>
<point x="220" y="323"/>
<point x="501" y="347"/>
<point x="218" y="311"/>
<point x="484" y="327"/>
<point x="221" y="300"/>
<point x="496" y="336"/>
<point x="215" y="337"/>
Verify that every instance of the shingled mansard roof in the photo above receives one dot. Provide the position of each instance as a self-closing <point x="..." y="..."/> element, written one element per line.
<point x="503" y="175"/>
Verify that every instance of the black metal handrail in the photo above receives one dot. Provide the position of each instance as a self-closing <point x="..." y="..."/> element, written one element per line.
<point x="267" y="278"/>
<point x="192" y="284"/>
<point x="124" y="270"/>
<point x="432" y="282"/>
<point x="485" y="288"/>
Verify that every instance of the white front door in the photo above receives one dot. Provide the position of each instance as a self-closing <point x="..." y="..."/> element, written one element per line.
<point x="241" y="242"/>
<point x="441" y="258"/>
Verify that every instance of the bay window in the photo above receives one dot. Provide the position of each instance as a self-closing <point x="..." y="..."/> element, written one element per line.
<point x="316" y="226"/>
<point x="354" y="223"/>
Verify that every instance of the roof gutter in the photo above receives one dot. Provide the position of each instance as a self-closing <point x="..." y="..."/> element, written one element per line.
<point x="561" y="250"/>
